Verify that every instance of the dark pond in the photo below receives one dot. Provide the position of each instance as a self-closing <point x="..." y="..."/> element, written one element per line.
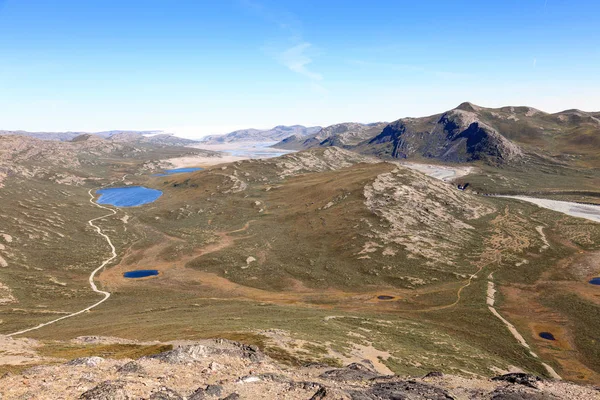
<point x="140" y="273"/>
<point x="547" y="336"/>
<point x="168" y="172"/>
<point x="130" y="196"/>
<point x="384" y="297"/>
<point x="595" y="281"/>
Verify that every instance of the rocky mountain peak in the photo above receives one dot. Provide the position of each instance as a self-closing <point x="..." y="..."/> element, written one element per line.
<point x="467" y="106"/>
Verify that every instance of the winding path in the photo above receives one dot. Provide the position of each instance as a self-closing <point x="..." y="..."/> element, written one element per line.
<point x="92" y="275"/>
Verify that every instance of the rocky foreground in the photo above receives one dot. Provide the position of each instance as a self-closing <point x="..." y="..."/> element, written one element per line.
<point x="221" y="369"/>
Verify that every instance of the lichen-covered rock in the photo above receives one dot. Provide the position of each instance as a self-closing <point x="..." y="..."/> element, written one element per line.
<point x="108" y="390"/>
<point x="86" y="361"/>
<point x="196" y="352"/>
<point x="232" y="396"/>
<point x="203" y="393"/>
<point x="121" y="380"/>
<point x="405" y="390"/>
<point x="352" y="372"/>
<point x="516" y="393"/>
<point x="165" y="393"/>
<point x="520" y="379"/>
<point x="131" y="367"/>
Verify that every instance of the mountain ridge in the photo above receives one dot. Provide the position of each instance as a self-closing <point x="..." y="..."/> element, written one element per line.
<point x="154" y="137"/>
<point x="469" y="132"/>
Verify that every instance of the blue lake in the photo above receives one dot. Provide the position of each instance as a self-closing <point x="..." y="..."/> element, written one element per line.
<point x="547" y="336"/>
<point x="130" y="196"/>
<point x="595" y="281"/>
<point x="140" y="273"/>
<point x="168" y="172"/>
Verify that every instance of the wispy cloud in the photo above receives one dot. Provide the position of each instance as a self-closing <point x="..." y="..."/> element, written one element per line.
<point x="297" y="58"/>
<point x="297" y="54"/>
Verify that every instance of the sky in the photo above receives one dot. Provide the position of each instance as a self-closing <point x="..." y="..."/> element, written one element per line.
<point x="198" y="67"/>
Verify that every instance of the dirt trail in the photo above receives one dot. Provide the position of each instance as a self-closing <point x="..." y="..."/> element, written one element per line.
<point x="540" y="230"/>
<point x="220" y="288"/>
<point x="458" y="294"/>
<point x="490" y="299"/>
<point x="92" y="275"/>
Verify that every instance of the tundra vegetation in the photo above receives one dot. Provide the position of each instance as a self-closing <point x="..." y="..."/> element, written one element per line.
<point x="327" y="255"/>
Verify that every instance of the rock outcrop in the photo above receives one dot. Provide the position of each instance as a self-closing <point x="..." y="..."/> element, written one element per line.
<point x="221" y="369"/>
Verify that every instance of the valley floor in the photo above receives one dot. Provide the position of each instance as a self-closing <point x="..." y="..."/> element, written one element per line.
<point x="310" y="257"/>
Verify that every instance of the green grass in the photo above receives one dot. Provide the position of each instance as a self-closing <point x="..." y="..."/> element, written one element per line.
<point x="296" y="240"/>
<point x="115" y="351"/>
<point x="585" y="320"/>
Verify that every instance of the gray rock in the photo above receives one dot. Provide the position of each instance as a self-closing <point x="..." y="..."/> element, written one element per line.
<point x="305" y="385"/>
<point x="434" y="374"/>
<point x="401" y="390"/>
<point x="86" y="361"/>
<point x="352" y="372"/>
<point x="131" y="367"/>
<point x="213" y="390"/>
<point x="197" y="395"/>
<point x="108" y="390"/>
<point x="520" y="394"/>
<point x="165" y="394"/>
<point x="273" y="377"/>
<point x="183" y="354"/>
<point x="320" y="394"/>
<point x="520" y="379"/>
<point x="192" y="353"/>
<point x="232" y="396"/>
<point x="209" y="391"/>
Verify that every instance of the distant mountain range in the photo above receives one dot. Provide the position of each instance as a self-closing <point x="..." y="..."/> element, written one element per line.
<point x="341" y="135"/>
<point x="496" y="136"/>
<point x="261" y="135"/>
<point x="156" y="137"/>
<point x="469" y="133"/>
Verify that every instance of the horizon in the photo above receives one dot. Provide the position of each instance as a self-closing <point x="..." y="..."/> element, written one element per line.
<point x="182" y="134"/>
<point x="202" y="69"/>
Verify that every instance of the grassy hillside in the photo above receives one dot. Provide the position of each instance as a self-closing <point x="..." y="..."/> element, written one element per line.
<point x="294" y="254"/>
<point x="515" y="149"/>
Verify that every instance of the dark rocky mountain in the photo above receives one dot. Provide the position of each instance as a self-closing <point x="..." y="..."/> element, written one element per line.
<point x="470" y="133"/>
<point x="456" y="136"/>
<point x="257" y="135"/>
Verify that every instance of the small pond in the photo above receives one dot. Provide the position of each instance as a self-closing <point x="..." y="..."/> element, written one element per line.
<point x="547" y="336"/>
<point x="140" y="273"/>
<point x="168" y="172"/>
<point x="595" y="281"/>
<point x="130" y="196"/>
<point x="385" y="297"/>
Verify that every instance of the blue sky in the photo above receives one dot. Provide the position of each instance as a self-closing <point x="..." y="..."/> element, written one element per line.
<point x="200" y="66"/>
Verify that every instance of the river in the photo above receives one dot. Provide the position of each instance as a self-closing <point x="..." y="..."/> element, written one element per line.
<point x="588" y="211"/>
